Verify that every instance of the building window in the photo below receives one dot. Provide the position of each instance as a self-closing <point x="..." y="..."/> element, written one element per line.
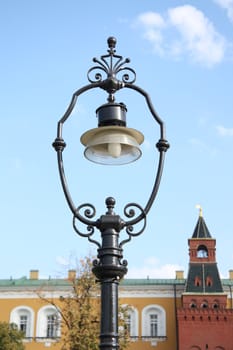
<point x="204" y="305"/>
<point x="153" y="321"/>
<point x="23" y="323"/>
<point x="52" y="326"/>
<point x="23" y="317"/>
<point x="131" y="321"/>
<point x="209" y="281"/>
<point x="153" y="325"/>
<point x="193" y="304"/>
<point x="202" y="251"/>
<point x="197" y="281"/>
<point x="128" y="323"/>
<point x="48" y="323"/>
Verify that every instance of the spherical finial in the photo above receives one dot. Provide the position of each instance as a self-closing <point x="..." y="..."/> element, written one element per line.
<point x="110" y="202"/>
<point x="112" y="42"/>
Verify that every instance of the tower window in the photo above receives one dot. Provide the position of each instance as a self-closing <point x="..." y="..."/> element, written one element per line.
<point x="204" y="305"/>
<point x="216" y="304"/>
<point x="193" y="304"/>
<point x="209" y="281"/>
<point x="197" y="281"/>
<point x="202" y="252"/>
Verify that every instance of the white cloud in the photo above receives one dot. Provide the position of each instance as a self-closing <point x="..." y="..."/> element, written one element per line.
<point x="152" y="19"/>
<point x="153" y="23"/>
<point x="222" y="131"/>
<point x="184" y="30"/>
<point x="226" y="5"/>
<point x="198" y="35"/>
<point x="152" y="269"/>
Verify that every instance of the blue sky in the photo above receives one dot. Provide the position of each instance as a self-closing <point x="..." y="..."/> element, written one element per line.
<point x="182" y="53"/>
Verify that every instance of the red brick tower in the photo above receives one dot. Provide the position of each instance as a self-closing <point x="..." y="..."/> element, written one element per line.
<point x="204" y="322"/>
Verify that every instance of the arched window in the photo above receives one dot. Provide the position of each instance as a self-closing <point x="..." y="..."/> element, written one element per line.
<point x="197" y="281"/>
<point x="153" y="321"/>
<point x="209" y="281"/>
<point x="132" y="322"/>
<point x="48" y="323"/>
<point x="193" y="304"/>
<point x="202" y="251"/>
<point x="23" y="317"/>
<point x="216" y="304"/>
<point x="204" y="304"/>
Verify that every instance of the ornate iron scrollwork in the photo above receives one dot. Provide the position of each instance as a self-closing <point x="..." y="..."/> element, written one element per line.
<point x="89" y="213"/>
<point x="111" y="65"/>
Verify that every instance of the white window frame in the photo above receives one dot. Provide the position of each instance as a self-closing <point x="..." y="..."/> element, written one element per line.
<point x="146" y="322"/>
<point x="154" y="325"/>
<point x="133" y="314"/>
<point x="20" y="311"/>
<point x="42" y="323"/>
<point x="23" y="323"/>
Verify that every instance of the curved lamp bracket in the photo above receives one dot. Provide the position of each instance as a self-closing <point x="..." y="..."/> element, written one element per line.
<point x="86" y="212"/>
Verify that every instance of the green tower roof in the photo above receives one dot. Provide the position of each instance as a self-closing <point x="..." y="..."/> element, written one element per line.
<point x="201" y="230"/>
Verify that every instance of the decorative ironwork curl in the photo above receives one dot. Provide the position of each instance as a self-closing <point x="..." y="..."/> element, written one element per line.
<point x="89" y="213"/>
<point x="129" y="229"/>
<point x="98" y="76"/>
<point x="124" y="262"/>
<point x="126" y="77"/>
<point x="95" y="262"/>
<point x="129" y="212"/>
<point x="111" y="64"/>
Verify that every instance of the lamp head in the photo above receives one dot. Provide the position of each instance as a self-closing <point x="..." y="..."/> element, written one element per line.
<point x="112" y="143"/>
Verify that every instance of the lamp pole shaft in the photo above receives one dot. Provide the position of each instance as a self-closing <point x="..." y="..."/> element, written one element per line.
<point x="109" y="269"/>
<point x="109" y="316"/>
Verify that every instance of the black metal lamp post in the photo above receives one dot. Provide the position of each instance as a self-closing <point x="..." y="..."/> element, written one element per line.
<point x="111" y="143"/>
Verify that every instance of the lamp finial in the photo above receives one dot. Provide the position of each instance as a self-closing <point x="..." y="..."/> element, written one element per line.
<point x="112" y="42"/>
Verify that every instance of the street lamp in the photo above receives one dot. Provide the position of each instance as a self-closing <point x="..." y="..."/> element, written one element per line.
<point x="111" y="143"/>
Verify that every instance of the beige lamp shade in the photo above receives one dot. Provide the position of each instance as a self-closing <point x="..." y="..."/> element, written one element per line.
<point x="112" y="145"/>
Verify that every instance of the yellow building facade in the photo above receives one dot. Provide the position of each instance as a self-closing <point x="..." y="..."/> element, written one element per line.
<point x="164" y="314"/>
<point x="152" y="316"/>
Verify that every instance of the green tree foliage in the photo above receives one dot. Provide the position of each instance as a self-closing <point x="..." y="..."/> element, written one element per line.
<point x="10" y="337"/>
